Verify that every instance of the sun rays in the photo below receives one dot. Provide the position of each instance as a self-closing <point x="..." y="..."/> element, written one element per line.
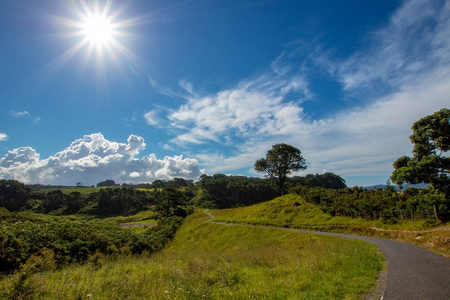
<point x="95" y="32"/>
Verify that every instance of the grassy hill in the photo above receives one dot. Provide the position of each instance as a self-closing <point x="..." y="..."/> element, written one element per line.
<point x="212" y="261"/>
<point x="292" y="211"/>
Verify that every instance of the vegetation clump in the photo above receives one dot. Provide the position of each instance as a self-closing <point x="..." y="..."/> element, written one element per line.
<point x="429" y="163"/>
<point x="388" y="205"/>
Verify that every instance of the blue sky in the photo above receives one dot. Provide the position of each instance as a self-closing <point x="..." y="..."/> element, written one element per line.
<point x="179" y="88"/>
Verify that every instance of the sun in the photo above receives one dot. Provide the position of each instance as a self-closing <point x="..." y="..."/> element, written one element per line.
<point x="98" y="30"/>
<point x="96" y="26"/>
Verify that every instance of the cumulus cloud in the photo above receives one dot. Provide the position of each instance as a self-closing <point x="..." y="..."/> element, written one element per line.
<point x="3" y="137"/>
<point x="92" y="159"/>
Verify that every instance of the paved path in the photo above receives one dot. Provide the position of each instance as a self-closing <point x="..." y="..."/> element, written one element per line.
<point x="413" y="272"/>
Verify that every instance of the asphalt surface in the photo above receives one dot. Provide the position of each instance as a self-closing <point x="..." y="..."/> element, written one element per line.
<point x="412" y="272"/>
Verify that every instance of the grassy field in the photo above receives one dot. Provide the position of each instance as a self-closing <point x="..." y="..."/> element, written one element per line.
<point x="281" y="212"/>
<point x="211" y="261"/>
<point x="138" y="222"/>
<point x="146" y="216"/>
<point x="68" y="190"/>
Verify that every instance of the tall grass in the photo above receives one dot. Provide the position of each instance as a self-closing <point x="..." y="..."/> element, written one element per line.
<point x="212" y="261"/>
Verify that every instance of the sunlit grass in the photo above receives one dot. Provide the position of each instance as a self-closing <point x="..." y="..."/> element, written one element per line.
<point x="281" y="212"/>
<point x="145" y="216"/>
<point x="79" y="189"/>
<point x="212" y="261"/>
<point x="292" y="211"/>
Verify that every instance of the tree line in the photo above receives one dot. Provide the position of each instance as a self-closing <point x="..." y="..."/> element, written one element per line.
<point x="16" y="196"/>
<point x="385" y="204"/>
<point x="222" y="191"/>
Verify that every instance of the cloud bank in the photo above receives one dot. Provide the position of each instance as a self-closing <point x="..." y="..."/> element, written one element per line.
<point x="92" y="159"/>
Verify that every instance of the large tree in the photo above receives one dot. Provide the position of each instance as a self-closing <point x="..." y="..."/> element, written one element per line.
<point x="281" y="161"/>
<point x="430" y="162"/>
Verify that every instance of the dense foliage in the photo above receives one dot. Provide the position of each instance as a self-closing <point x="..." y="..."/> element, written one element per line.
<point x="222" y="191"/>
<point x="16" y="196"/>
<point x="71" y="239"/>
<point x="429" y="163"/>
<point x="377" y="204"/>
<point x="326" y="180"/>
<point x="108" y="182"/>
<point x="13" y="194"/>
<point x="25" y="234"/>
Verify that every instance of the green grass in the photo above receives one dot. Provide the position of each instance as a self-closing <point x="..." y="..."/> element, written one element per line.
<point x="80" y="189"/>
<point x="281" y="212"/>
<point x="143" y="217"/>
<point x="212" y="261"/>
<point x="146" y="216"/>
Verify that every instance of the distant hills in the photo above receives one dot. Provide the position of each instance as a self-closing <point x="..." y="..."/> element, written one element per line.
<point x="404" y="186"/>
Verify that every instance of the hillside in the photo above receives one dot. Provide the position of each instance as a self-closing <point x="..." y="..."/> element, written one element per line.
<point x="292" y="211"/>
<point x="210" y="261"/>
<point x="289" y="211"/>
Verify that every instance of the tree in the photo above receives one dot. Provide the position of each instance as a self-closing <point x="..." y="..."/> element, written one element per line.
<point x="281" y="161"/>
<point x="170" y="202"/>
<point x="108" y="182"/>
<point x="429" y="163"/>
<point x="13" y="194"/>
<point x="158" y="184"/>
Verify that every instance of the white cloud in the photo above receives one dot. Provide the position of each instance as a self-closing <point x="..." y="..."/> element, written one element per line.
<point x="23" y="155"/>
<point x="256" y="106"/>
<point x="92" y="159"/>
<point x="187" y="86"/>
<point x="18" y="114"/>
<point x="414" y="43"/>
<point x="152" y="117"/>
<point x="3" y="137"/>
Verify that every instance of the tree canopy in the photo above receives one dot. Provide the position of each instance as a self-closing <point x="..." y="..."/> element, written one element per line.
<point x="108" y="182"/>
<point x="429" y="163"/>
<point x="280" y="161"/>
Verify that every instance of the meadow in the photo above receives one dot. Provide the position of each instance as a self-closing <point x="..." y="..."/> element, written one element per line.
<point x="212" y="261"/>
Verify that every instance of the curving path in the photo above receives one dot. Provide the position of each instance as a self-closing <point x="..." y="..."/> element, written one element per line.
<point x="413" y="272"/>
